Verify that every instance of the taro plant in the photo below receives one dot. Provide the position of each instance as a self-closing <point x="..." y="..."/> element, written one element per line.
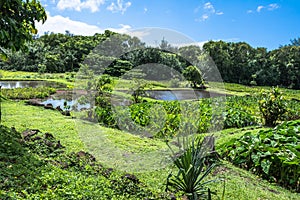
<point x="239" y="117"/>
<point x="272" y="106"/>
<point x="273" y="153"/>
<point x="194" y="165"/>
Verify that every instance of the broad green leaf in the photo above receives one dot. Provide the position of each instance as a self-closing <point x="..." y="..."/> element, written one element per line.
<point x="265" y="164"/>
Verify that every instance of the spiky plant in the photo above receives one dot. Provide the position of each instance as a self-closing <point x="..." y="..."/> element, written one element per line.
<point x="193" y="170"/>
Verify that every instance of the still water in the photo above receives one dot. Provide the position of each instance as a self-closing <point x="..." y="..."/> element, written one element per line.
<point x="33" y="84"/>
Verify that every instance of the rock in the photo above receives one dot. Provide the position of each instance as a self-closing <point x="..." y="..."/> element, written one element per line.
<point x="34" y="103"/>
<point x="81" y="154"/>
<point x="49" y="106"/>
<point x="49" y="136"/>
<point x="36" y="138"/>
<point x="58" y="145"/>
<point x="59" y="109"/>
<point x="66" y="113"/>
<point x="131" y="177"/>
<point x="29" y="133"/>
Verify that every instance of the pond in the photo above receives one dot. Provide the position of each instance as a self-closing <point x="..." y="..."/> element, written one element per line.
<point x="72" y="97"/>
<point x="22" y="84"/>
<point x="59" y="99"/>
<point x="187" y="94"/>
<point x="72" y="104"/>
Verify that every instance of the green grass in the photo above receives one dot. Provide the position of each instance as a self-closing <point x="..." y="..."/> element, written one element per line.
<point x="242" y="90"/>
<point x="22" y="117"/>
<point x="240" y="184"/>
<point x="124" y="151"/>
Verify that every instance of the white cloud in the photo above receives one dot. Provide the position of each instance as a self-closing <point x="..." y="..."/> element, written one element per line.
<point x="199" y="44"/>
<point x="273" y="6"/>
<point x="119" y="6"/>
<point x="78" y="5"/>
<point x="145" y="10"/>
<point x="208" y="10"/>
<point x="209" y="6"/>
<point x="59" y="24"/>
<point x="124" y="28"/>
<point x="259" y="8"/>
<point x="270" y="7"/>
<point x="249" y="11"/>
<point x="204" y="17"/>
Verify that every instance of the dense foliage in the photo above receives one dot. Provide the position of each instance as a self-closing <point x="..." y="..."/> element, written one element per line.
<point x="273" y="153"/>
<point x="115" y="54"/>
<point x="193" y="74"/>
<point x="241" y="63"/>
<point x="110" y="53"/>
<point x="28" y="93"/>
<point x="169" y="118"/>
<point x="17" y="23"/>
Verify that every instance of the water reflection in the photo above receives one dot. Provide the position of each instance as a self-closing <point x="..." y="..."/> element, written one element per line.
<point x="168" y="95"/>
<point x="72" y="104"/>
<point x="33" y="84"/>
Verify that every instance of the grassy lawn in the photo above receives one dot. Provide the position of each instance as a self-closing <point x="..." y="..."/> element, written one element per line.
<point x="78" y="135"/>
<point x="24" y="117"/>
<point x="242" y="90"/>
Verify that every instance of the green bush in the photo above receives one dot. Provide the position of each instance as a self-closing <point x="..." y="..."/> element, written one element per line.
<point x="274" y="154"/>
<point x="271" y="106"/>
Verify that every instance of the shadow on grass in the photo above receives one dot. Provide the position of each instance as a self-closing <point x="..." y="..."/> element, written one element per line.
<point x="18" y="166"/>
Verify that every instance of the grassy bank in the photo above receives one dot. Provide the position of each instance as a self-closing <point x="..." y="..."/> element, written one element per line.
<point x="77" y="135"/>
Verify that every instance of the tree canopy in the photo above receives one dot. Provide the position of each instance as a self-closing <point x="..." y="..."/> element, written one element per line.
<point x="17" y="23"/>
<point x="116" y="54"/>
<point x="193" y="74"/>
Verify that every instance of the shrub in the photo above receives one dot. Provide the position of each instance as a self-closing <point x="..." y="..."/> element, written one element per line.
<point x="271" y="106"/>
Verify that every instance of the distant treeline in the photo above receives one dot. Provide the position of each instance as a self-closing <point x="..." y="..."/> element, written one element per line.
<point x="119" y="53"/>
<point x="241" y="63"/>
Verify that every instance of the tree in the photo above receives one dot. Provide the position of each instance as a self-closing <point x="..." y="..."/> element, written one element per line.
<point x="193" y="74"/>
<point x="219" y="51"/>
<point x="17" y="23"/>
<point x="295" y="42"/>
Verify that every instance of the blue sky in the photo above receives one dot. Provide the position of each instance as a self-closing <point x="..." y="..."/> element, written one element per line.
<point x="259" y="23"/>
